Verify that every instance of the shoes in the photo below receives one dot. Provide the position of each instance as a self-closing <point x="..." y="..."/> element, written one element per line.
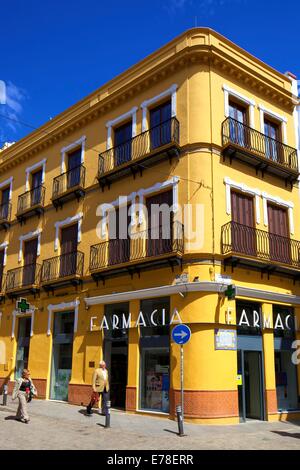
<point x="22" y="420"/>
<point x="89" y="412"/>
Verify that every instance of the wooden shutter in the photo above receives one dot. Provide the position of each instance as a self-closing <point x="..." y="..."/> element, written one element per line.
<point x="160" y="125"/>
<point x="68" y="249"/>
<point x="158" y="246"/>
<point x="4" y="203"/>
<point x="1" y="268"/>
<point x="74" y="168"/>
<point x="279" y="242"/>
<point x="243" y="237"/>
<point x="30" y="255"/>
<point x="36" y="191"/>
<point x="119" y="248"/>
<point x="122" y="143"/>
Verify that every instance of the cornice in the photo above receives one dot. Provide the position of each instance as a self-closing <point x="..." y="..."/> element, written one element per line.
<point x="101" y="102"/>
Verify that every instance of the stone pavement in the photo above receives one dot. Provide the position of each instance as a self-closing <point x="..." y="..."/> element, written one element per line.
<point x="56" y="426"/>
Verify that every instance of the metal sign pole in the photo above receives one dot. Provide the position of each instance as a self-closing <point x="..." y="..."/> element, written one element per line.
<point x="181" y="381"/>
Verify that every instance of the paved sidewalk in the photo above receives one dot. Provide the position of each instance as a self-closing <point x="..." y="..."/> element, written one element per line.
<point x="62" y="426"/>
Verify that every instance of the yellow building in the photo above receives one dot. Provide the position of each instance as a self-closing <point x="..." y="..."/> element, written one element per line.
<point x="210" y="131"/>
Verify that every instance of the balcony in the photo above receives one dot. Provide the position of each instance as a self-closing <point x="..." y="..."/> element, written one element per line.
<point x="62" y="270"/>
<point x="146" y="149"/>
<point x="68" y="185"/>
<point x="31" y="203"/>
<point x="23" y="280"/>
<point x="5" y="215"/>
<point x="147" y="249"/>
<point x="247" y="246"/>
<point x="243" y="143"/>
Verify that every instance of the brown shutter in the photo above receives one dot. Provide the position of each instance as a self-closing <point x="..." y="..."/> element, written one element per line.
<point x="1" y="267"/>
<point x="160" y="245"/>
<point x="279" y="242"/>
<point x="68" y="245"/>
<point x="119" y="248"/>
<point x="243" y="237"/>
<point x="30" y="254"/>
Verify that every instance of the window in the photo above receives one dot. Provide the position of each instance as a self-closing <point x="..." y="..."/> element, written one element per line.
<point x="30" y="255"/>
<point x="273" y="138"/>
<point x="36" y="187"/>
<point x="239" y="133"/>
<point x="2" y="257"/>
<point x="279" y="242"/>
<point x="68" y="250"/>
<point x="4" y="208"/>
<point x="160" y="125"/>
<point x="122" y="143"/>
<point x="73" y="165"/>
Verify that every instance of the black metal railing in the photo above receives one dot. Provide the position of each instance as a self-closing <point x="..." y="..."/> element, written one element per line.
<point x="66" y="265"/>
<point x="140" y="145"/>
<point x="25" y="276"/>
<point x="148" y="243"/>
<point x="237" y="133"/>
<point x="32" y="198"/>
<point x="242" y="239"/>
<point x="5" y="212"/>
<point x="70" y="179"/>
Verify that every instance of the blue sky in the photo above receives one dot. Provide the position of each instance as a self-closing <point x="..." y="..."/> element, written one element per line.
<point x="54" y="53"/>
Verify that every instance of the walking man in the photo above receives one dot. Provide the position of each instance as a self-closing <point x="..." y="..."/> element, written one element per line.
<point x="100" y="387"/>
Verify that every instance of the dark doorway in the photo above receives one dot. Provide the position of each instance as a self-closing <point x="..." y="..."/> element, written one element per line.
<point x="116" y="353"/>
<point x="36" y="187"/>
<point x="22" y="354"/>
<point x="122" y="143"/>
<point x="68" y="258"/>
<point x="251" y="385"/>
<point x="160" y="125"/>
<point x="74" y="168"/>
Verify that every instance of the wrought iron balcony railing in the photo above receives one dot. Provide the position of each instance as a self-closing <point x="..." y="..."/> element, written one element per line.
<point x="140" y="145"/>
<point x="23" y="277"/>
<point x="274" y="151"/>
<point x="71" y="179"/>
<point x="252" y="242"/>
<point x="154" y="242"/>
<point x="34" y="197"/>
<point x="5" y="212"/>
<point x="63" y="266"/>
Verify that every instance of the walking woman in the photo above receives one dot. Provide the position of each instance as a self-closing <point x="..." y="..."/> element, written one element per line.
<point x="24" y="390"/>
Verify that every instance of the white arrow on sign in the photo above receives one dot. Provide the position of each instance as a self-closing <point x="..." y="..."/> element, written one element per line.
<point x="183" y="334"/>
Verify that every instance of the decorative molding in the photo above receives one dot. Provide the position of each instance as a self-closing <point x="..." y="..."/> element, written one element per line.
<point x="37" y="233"/>
<point x="30" y="169"/>
<point x="4" y="246"/>
<point x="140" y="194"/>
<point x="15" y="314"/>
<point x="230" y="184"/>
<point x="6" y="183"/>
<point x="155" y="99"/>
<point x="65" y="150"/>
<point x="63" y="306"/>
<point x="280" y="202"/>
<point x="202" y="286"/>
<point x="283" y="120"/>
<point x="236" y="94"/>
<point x="114" y="122"/>
<point x="68" y="221"/>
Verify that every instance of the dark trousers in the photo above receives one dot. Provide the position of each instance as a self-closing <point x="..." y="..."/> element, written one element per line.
<point x="105" y="398"/>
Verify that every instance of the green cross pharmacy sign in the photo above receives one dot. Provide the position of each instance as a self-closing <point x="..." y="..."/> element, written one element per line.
<point x="22" y="305"/>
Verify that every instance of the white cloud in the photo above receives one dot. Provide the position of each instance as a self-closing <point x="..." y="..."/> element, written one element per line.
<point x="11" y="110"/>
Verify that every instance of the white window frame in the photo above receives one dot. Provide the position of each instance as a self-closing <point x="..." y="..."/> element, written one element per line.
<point x="280" y="202"/>
<point x="4" y="247"/>
<point x="230" y="184"/>
<point x="68" y="221"/>
<point x="28" y="236"/>
<point x="140" y="195"/>
<point x="172" y="92"/>
<point x="15" y="314"/>
<point x="7" y="183"/>
<point x="61" y="307"/>
<point x="244" y="99"/>
<point x="65" y="150"/>
<point x="263" y="111"/>
<point x="118" y="120"/>
<point x="32" y="168"/>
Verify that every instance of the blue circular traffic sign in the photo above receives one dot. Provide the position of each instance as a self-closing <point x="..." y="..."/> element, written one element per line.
<point x="181" y="334"/>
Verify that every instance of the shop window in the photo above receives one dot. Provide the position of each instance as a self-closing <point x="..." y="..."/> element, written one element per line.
<point x="155" y="355"/>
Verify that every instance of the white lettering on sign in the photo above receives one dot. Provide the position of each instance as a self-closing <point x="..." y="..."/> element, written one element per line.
<point x="280" y="323"/>
<point x="124" y="322"/>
